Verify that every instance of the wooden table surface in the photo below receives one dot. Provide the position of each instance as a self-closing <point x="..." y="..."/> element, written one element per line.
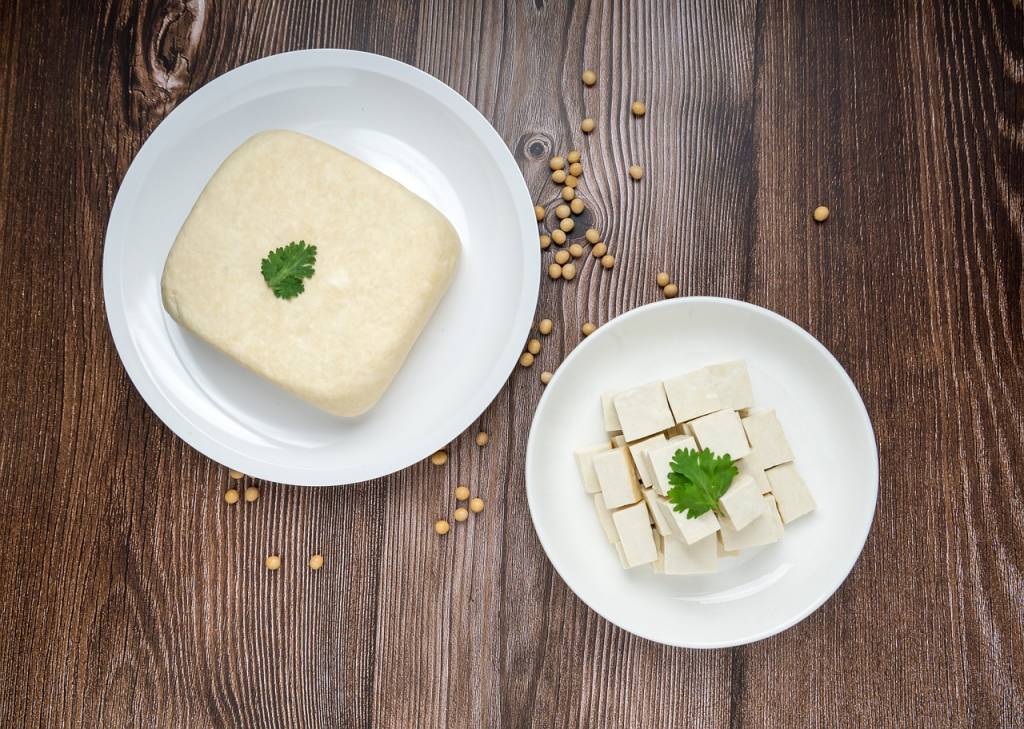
<point x="132" y="595"/>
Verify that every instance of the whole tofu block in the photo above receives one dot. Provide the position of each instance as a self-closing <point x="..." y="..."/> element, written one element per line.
<point x="765" y="529"/>
<point x="643" y="411"/>
<point x="604" y="516"/>
<point x="611" y="420"/>
<point x="585" y="464"/>
<point x="661" y="524"/>
<point x="732" y="384"/>
<point x="791" y="493"/>
<point x="691" y="395"/>
<point x="618" y="480"/>
<point x="747" y="466"/>
<point x="660" y="459"/>
<point x="699" y="558"/>
<point x="687" y="529"/>
<point x="764" y="433"/>
<point x="742" y="502"/>
<point x="722" y="432"/>
<point x="638" y="451"/>
<point x="635" y="535"/>
<point x="339" y="344"/>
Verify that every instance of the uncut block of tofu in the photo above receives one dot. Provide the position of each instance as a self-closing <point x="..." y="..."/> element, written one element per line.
<point x="689" y="530"/>
<point x="611" y="420"/>
<point x="634" y="527"/>
<point x="660" y="460"/>
<point x="732" y="384"/>
<point x="765" y="529"/>
<point x="639" y="452"/>
<point x="768" y="442"/>
<point x="691" y="395"/>
<point x="643" y="411"/>
<point x="604" y="516"/>
<point x="722" y="432"/>
<point x="791" y="493"/>
<point x="661" y="523"/>
<point x="585" y="464"/>
<point x="339" y="344"/>
<point x="747" y="466"/>
<point x="699" y="558"/>
<point x="618" y="480"/>
<point x="742" y="502"/>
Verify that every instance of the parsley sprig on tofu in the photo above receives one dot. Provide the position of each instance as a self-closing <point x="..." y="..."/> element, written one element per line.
<point x="699" y="479"/>
<point x="284" y="268"/>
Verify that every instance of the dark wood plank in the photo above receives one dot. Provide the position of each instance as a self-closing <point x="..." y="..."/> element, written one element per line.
<point x="133" y="596"/>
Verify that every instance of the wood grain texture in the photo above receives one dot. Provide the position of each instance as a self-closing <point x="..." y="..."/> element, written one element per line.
<point x="133" y="596"/>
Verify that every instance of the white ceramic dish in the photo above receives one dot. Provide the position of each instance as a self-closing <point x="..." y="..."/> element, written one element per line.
<point x="405" y="123"/>
<point x="762" y="591"/>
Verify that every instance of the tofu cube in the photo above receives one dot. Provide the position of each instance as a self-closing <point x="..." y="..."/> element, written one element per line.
<point x="622" y="556"/>
<point x="732" y="384"/>
<point x="764" y="433"/>
<point x="691" y="395"/>
<point x="635" y="535"/>
<point x="742" y="502"/>
<point x="660" y="459"/>
<point x="661" y="523"/>
<point x="611" y="420"/>
<point x="748" y="467"/>
<point x="615" y="473"/>
<point x="604" y="516"/>
<point x="585" y="464"/>
<point x="643" y="411"/>
<point x="722" y="432"/>
<point x="765" y="529"/>
<point x="699" y="558"/>
<point x="791" y="493"/>
<point x="639" y="451"/>
<point x="689" y="530"/>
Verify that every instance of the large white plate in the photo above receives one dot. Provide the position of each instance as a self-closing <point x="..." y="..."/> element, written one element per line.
<point x="405" y="123"/>
<point x="760" y="592"/>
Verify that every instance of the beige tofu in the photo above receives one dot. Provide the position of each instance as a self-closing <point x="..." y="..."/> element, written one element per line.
<point x="643" y="411"/>
<point x="764" y="433"/>
<point x="765" y="529"/>
<point x="742" y="502"/>
<point x="678" y="430"/>
<point x="585" y="463"/>
<point x="618" y="441"/>
<point x="658" y="565"/>
<point x="638" y="451"/>
<point x="689" y="530"/>
<point x="691" y="395"/>
<point x="611" y="420"/>
<point x="622" y="556"/>
<point x="699" y="558"/>
<point x="661" y="523"/>
<point x="660" y="458"/>
<point x="722" y="432"/>
<point x="604" y="516"/>
<point x="791" y="493"/>
<point x="635" y="534"/>
<point x="732" y="384"/>
<point x="747" y="466"/>
<point x="618" y="480"/>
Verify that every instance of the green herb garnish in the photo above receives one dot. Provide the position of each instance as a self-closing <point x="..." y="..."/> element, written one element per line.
<point x="699" y="479"/>
<point x="284" y="268"/>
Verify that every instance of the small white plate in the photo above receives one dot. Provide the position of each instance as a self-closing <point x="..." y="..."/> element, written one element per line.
<point x="410" y="126"/>
<point x="761" y="591"/>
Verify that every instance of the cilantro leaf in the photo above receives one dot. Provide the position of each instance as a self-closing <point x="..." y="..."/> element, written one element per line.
<point x="699" y="479"/>
<point x="284" y="268"/>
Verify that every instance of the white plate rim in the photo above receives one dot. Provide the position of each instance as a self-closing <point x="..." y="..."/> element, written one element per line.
<point x="483" y="394"/>
<point x="842" y="574"/>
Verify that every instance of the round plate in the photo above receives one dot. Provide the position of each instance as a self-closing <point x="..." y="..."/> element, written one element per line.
<point x="410" y="126"/>
<point x="762" y="591"/>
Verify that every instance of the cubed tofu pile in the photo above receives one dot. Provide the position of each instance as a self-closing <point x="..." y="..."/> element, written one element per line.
<point x="627" y="475"/>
